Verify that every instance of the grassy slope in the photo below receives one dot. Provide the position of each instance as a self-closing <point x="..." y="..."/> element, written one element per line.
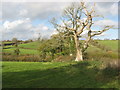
<point x="22" y="51"/>
<point x="113" y="44"/>
<point x="34" y="45"/>
<point x="53" y="74"/>
<point x="6" y="42"/>
<point x="28" y="48"/>
<point x="85" y="74"/>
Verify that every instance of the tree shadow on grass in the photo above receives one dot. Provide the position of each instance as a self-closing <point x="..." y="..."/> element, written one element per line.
<point x="81" y="75"/>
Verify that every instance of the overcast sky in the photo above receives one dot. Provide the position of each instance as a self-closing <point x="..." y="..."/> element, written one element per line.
<point x="25" y="20"/>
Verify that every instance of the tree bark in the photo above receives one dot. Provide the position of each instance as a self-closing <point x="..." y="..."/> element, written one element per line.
<point x="79" y="54"/>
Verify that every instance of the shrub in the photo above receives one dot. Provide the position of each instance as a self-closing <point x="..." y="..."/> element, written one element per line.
<point x="25" y="58"/>
<point x="17" y="51"/>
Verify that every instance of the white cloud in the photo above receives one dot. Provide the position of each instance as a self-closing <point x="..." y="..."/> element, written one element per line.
<point x="114" y="9"/>
<point x="32" y="10"/>
<point x="45" y="28"/>
<point x="18" y="17"/>
<point x="105" y="22"/>
<point x="107" y="8"/>
<point x="44" y="10"/>
<point x="23" y="29"/>
<point x="11" y="10"/>
<point x="23" y="12"/>
<point x="103" y="34"/>
<point x="10" y="25"/>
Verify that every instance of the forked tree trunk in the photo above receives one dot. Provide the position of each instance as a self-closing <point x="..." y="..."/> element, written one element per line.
<point x="79" y="54"/>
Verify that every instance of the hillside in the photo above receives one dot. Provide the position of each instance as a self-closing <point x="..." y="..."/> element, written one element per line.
<point x="31" y="48"/>
<point x="100" y="68"/>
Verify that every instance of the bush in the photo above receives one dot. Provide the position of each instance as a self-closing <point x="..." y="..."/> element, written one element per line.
<point x="25" y="58"/>
<point x="17" y="51"/>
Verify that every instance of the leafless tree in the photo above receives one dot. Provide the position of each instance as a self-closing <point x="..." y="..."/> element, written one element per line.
<point x="76" y="19"/>
<point x="39" y="37"/>
<point x="14" y="40"/>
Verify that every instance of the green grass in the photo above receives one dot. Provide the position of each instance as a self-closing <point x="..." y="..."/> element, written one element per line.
<point x="31" y="45"/>
<point x="9" y="47"/>
<point x="30" y="48"/>
<point x="95" y="52"/>
<point x="22" y="51"/>
<point x="113" y="44"/>
<point x="9" y="50"/>
<point x="93" y="49"/>
<point x="6" y="42"/>
<point x="28" y="51"/>
<point x="85" y="74"/>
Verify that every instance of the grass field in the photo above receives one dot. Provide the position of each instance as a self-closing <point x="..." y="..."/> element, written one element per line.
<point x="31" y="45"/>
<point x="22" y="51"/>
<point x="31" y="48"/>
<point x="6" y="42"/>
<point x="28" y="48"/>
<point x="85" y="74"/>
<point x="113" y="44"/>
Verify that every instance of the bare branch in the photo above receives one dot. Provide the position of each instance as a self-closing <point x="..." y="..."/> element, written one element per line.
<point x="100" y="32"/>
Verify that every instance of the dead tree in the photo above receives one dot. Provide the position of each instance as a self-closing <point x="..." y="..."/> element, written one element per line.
<point x="76" y="19"/>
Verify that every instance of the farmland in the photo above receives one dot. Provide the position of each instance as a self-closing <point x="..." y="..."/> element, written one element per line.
<point x="67" y="74"/>
<point x="31" y="48"/>
<point x="60" y="45"/>
<point x="58" y="75"/>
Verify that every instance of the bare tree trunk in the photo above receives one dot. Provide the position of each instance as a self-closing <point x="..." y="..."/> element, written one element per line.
<point x="85" y="46"/>
<point x="79" y="54"/>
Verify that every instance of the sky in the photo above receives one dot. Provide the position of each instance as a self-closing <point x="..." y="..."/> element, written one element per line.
<point x="25" y="20"/>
